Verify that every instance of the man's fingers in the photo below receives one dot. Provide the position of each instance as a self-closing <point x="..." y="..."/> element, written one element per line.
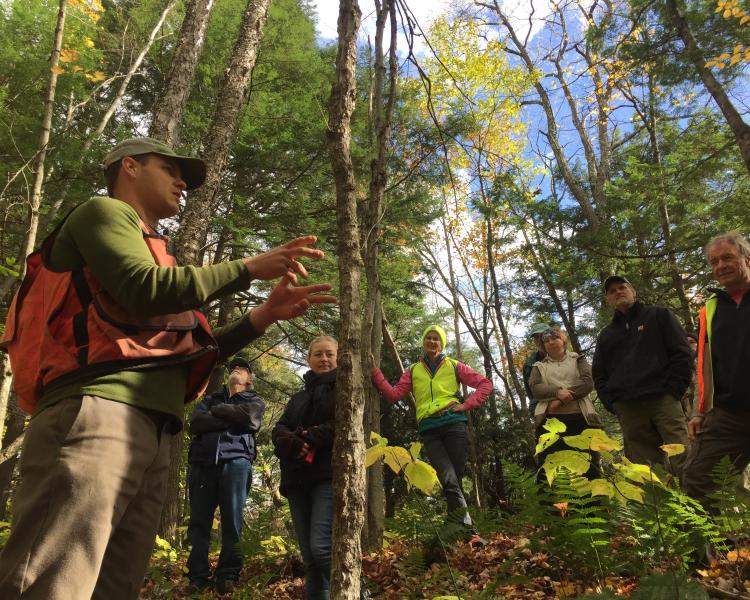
<point x="299" y="267"/>
<point x="312" y="289"/>
<point x="301" y="241"/>
<point x="292" y="277"/>
<point x="304" y="251"/>
<point x="322" y="299"/>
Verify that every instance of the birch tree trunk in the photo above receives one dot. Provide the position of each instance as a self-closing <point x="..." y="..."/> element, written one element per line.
<point x="199" y="210"/>
<point x="200" y="205"/>
<point x="168" y="109"/>
<point x="36" y="194"/>
<point x="348" y="447"/>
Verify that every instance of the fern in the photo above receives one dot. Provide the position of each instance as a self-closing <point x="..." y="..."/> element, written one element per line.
<point x="730" y="500"/>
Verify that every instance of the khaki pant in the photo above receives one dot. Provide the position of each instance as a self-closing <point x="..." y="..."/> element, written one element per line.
<point x="725" y="433"/>
<point x="93" y="476"/>
<point x="648" y="424"/>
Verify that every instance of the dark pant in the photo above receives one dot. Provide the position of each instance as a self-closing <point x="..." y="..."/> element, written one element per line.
<point x="725" y="433"/>
<point x="224" y="485"/>
<point x="312" y="515"/>
<point x="574" y="425"/>
<point x="446" y="448"/>
<point x="647" y="424"/>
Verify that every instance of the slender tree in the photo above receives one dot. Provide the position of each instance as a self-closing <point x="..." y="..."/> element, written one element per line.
<point x="171" y="104"/>
<point x="348" y="447"/>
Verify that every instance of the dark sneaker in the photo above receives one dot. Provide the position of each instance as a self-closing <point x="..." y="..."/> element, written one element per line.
<point x="197" y="586"/>
<point x="224" y="586"/>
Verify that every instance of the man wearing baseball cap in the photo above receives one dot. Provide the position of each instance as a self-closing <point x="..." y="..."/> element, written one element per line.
<point x="123" y="347"/>
<point x="221" y="456"/>
<point x="641" y="368"/>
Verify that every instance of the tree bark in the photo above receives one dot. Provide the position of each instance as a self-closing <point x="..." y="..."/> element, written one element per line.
<point x="349" y="447"/>
<point x="36" y="194"/>
<point x="199" y="210"/>
<point x="372" y="326"/>
<point x="740" y="129"/>
<point x="168" y="109"/>
<point x="200" y="206"/>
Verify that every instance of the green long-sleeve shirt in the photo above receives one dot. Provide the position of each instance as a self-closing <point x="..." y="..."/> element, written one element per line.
<point x="105" y="235"/>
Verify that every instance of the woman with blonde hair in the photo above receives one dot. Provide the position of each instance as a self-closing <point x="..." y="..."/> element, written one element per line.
<point x="435" y="382"/>
<point x="303" y="441"/>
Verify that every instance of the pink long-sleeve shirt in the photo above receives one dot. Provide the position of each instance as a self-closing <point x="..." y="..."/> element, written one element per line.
<point x="466" y="375"/>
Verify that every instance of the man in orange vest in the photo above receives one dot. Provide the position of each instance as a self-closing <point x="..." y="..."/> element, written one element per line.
<point x="721" y="421"/>
<point x="106" y="345"/>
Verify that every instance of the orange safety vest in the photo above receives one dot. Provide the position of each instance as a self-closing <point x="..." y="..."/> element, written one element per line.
<point x="62" y="325"/>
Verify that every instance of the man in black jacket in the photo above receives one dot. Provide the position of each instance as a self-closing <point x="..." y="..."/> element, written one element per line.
<point x="721" y="419"/>
<point x="221" y="454"/>
<point x="642" y="367"/>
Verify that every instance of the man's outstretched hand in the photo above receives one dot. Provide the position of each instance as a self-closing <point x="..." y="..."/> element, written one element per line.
<point x="282" y="260"/>
<point x="287" y="302"/>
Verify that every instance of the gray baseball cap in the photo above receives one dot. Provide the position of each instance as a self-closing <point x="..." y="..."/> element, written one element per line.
<point x="193" y="170"/>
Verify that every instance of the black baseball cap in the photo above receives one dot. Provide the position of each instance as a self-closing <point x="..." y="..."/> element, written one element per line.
<point x="615" y="279"/>
<point x="239" y="361"/>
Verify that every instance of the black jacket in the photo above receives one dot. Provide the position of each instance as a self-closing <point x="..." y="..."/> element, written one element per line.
<point x="730" y="350"/>
<point x="224" y="428"/>
<point x="642" y="354"/>
<point x="308" y="417"/>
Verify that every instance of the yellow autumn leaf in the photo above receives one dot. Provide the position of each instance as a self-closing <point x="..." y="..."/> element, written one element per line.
<point x="602" y="487"/>
<point x="77" y="69"/>
<point x="396" y="458"/>
<point x="421" y="476"/>
<point x="373" y="454"/>
<point x="629" y="491"/>
<point x="88" y="42"/>
<point x="69" y="55"/>
<point x="57" y="70"/>
<point x="673" y="449"/>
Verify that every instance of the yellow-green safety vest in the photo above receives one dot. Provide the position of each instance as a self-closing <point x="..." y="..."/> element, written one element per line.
<point x="433" y="393"/>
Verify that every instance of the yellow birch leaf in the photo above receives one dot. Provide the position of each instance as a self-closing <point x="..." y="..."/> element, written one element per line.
<point x="88" y="42"/>
<point x="415" y="449"/>
<point x="422" y="476"/>
<point x="629" y="491"/>
<point x="377" y="439"/>
<point x="602" y="487"/>
<point x="396" y="458"/>
<point x="372" y="455"/>
<point x="673" y="449"/>
<point x="57" y="70"/>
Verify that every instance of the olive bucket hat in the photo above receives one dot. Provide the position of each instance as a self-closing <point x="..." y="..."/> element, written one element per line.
<point x="193" y="170"/>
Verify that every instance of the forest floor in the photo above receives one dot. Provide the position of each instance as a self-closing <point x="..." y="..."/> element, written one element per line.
<point x="505" y="568"/>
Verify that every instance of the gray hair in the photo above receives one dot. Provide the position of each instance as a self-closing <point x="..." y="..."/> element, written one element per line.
<point x="735" y="238"/>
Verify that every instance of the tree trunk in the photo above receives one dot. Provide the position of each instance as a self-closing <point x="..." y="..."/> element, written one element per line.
<point x="740" y="129"/>
<point x="372" y="327"/>
<point x="169" y="107"/>
<point x="36" y="194"/>
<point x="49" y="104"/>
<point x="349" y="447"/>
<point x="12" y="444"/>
<point x="201" y="204"/>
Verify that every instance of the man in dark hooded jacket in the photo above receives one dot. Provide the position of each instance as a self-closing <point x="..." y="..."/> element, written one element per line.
<point x="221" y="455"/>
